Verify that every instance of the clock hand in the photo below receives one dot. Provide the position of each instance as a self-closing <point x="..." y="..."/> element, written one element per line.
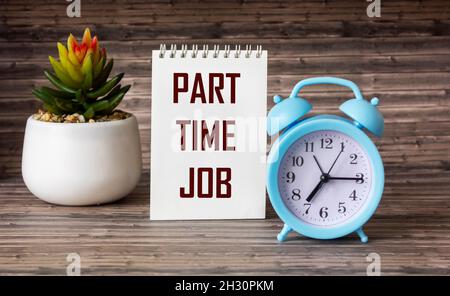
<point x="318" y="164"/>
<point x="340" y="152"/>
<point x="314" y="191"/>
<point x="344" y="178"/>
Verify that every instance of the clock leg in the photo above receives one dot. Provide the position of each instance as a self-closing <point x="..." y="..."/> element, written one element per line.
<point x="284" y="232"/>
<point x="362" y="235"/>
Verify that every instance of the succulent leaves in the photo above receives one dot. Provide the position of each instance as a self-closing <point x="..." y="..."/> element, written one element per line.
<point x="81" y="80"/>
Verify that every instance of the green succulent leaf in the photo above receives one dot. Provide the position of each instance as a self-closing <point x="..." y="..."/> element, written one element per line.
<point x="57" y="93"/>
<point x="100" y="105"/>
<point x="89" y="113"/>
<point x="113" y="92"/>
<point x="56" y="82"/>
<point x="116" y="99"/>
<point x="107" y="102"/>
<point x="87" y="83"/>
<point x="56" y="105"/>
<point x="49" y="102"/>
<point x="99" y="67"/>
<point x="53" y="109"/>
<point x="67" y="106"/>
<point x="62" y="74"/>
<point x="79" y="96"/>
<point x="104" y="74"/>
<point x="47" y="99"/>
<point x="105" y="88"/>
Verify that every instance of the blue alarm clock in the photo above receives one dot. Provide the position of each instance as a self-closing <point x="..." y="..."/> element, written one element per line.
<point x="325" y="176"/>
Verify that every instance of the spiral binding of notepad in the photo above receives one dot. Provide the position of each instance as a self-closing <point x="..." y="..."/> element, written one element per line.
<point x="195" y="52"/>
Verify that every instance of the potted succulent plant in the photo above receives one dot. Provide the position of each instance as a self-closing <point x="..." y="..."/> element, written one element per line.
<point x="80" y="150"/>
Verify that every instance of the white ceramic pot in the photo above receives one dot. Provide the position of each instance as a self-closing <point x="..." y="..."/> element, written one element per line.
<point x="81" y="163"/>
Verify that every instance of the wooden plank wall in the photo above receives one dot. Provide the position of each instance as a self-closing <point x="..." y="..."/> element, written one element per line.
<point x="403" y="58"/>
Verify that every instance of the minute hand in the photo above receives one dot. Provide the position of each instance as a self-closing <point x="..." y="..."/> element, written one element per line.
<point x="344" y="178"/>
<point x="340" y="152"/>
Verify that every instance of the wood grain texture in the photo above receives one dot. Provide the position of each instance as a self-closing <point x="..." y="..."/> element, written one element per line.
<point x="402" y="57"/>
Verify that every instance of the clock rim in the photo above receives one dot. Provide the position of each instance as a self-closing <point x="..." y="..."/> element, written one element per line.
<point x="281" y="146"/>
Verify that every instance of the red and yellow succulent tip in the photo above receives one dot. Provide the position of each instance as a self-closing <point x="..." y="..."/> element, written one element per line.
<point x="79" y="64"/>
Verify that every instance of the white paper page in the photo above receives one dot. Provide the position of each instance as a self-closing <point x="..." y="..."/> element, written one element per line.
<point x="242" y="171"/>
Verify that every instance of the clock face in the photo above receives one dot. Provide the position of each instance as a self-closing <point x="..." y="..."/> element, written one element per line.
<point x="325" y="178"/>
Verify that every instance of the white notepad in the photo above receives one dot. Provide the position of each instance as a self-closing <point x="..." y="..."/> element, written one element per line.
<point x="208" y="138"/>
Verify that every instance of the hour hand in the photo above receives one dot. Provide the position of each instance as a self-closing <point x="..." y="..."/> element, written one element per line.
<point x="314" y="191"/>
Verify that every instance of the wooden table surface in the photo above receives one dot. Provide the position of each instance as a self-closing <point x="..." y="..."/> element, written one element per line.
<point x="402" y="57"/>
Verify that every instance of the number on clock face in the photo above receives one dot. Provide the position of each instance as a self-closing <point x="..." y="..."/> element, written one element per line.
<point x="325" y="178"/>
